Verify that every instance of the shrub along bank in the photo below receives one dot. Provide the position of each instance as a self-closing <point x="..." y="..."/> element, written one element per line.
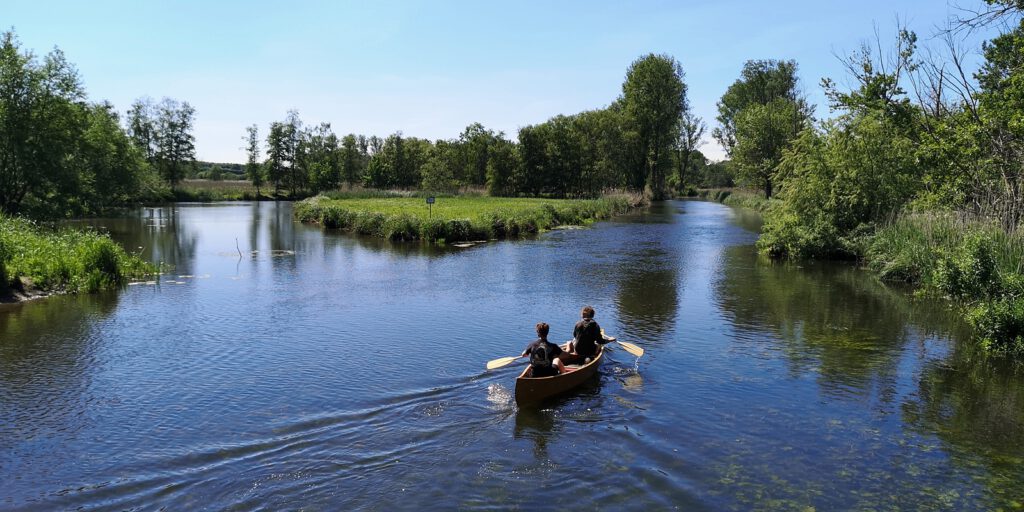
<point x="975" y="263"/>
<point x="64" y="260"/>
<point x="455" y="218"/>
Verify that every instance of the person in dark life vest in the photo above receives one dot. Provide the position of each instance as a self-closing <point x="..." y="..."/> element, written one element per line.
<point x="544" y="355"/>
<point x="586" y="335"/>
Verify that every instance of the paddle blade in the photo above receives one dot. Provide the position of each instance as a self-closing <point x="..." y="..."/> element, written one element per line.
<point x="631" y="348"/>
<point x="501" y="361"/>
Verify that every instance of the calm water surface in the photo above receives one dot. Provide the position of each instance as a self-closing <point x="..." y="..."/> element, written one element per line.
<point x="282" y="367"/>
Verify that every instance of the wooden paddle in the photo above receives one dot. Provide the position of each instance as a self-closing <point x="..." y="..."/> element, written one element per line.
<point x="629" y="347"/>
<point x="501" y="361"/>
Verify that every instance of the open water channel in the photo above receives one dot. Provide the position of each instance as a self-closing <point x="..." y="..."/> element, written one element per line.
<point x="281" y="366"/>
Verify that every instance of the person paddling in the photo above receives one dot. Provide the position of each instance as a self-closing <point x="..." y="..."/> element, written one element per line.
<point x="585" y="337"/>
<point x="544" y="355"/>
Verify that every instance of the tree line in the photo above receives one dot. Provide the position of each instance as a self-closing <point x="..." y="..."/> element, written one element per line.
<point x="645" y="141"/>
<point x="913" y="133"/>
<point x="62" y="155"/>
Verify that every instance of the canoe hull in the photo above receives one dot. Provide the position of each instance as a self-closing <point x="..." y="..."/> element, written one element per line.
<point x="530" y="390"/>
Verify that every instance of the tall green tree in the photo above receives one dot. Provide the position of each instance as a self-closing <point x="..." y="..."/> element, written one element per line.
<point x="142" y="127"/>
<point x="473" y="146"/>
<point x="760" y="83"/>
<point x="352" y="163"/>
<point x="762" y="133"/>
<point x="653" y="99"/>
<point x="282" y="151"/>
<point x="691" y="134"/>
<point x="279" y="154"/>
<point x="175" y="144"/>
<point x="438" y="170"/>
<point x="417" y="152"/>
<point x="760" y="113"/>
<point x="502" y="162"/>
<point x="319" y="155"/>
<point x="1000" y="116"/>
<point x="386" y="164"/>
<point x="253" y="169"/>
<point x="111" y="167"/>
<point x="41" y="119"/>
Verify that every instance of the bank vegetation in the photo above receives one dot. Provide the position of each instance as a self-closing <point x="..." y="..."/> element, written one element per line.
<point x="918" y="174"/>
<point x="454" y="219"/>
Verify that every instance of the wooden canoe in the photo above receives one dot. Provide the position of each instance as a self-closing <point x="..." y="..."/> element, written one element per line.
<point x="534" y="389"/>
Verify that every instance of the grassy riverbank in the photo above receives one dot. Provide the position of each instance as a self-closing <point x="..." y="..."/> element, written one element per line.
<point x="42" y="260"/>
<point x="454" y="219"/>
<point x="737" y="197"/>
<point x="976" y="264"/>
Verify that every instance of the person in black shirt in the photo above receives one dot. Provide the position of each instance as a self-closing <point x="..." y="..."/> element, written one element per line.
<point x="544" y="355"/>
<point x="585" y="338"/>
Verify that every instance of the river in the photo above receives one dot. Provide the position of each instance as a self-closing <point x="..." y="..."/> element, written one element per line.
<point x="281" y="366"/>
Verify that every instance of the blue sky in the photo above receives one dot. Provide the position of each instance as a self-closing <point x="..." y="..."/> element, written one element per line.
<point x="429" y="69"/>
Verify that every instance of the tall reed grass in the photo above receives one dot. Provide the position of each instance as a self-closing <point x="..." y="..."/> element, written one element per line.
<point x="972" y="261"/>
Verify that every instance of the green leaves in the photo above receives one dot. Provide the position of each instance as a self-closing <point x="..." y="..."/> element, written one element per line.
<point x="763" y="131"/>
<point x="653" y="99"/>
<point x="760" y="83"/>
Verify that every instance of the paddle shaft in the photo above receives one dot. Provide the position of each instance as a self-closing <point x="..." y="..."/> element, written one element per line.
<point x="501" y="361"/>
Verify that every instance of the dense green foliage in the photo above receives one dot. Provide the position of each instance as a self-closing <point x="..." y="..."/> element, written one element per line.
<point x="736" y="197"/>
<point x="63" y="260"/>
<point x="61" y="155"/>
<point x="855" y="186"/>
<point x="453" y="219"/>
<point x="760" y="114"/>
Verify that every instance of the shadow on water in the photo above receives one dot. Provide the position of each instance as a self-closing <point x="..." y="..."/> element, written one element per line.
<point x="648" y="293"/>
<point x="47" y="352"/>
<point x="647" y="276"/>
<point x="541" y="422"/>
<point x="867" y="343"/>
<point x="538" y="425"/>
<point x="157" y="234"/>
<point x="974" y="404"/>
<point x="832" y="320"/>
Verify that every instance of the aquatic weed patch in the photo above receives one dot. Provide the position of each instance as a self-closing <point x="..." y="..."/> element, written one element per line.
<point x="453" y="219"/>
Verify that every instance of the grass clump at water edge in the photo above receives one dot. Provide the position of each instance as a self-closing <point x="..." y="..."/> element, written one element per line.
<point x="454" y="219"/>
<point x="976" y="264"/>
<point x="62" y="260"/>
<point x="735" y="197"/>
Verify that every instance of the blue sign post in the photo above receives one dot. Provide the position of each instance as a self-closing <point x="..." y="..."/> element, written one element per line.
<point x="430" y="207"/>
